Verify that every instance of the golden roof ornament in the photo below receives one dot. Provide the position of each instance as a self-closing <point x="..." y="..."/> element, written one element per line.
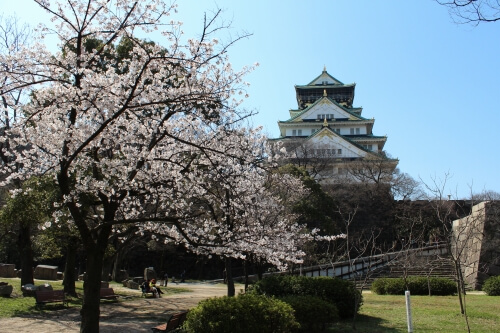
<point x="324" y="68"/>
<point x="325" y="123"/>
<point x="324" y="93"/>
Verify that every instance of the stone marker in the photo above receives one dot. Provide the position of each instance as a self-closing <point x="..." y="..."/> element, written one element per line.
<point x="6" y="290"/>
<point x="7" y="270"/>
<point x="45" y="272"/>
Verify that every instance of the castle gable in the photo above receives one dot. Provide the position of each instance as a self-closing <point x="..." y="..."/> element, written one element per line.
<point x="325" y="79"/>
<point x="326" y="108"/>
<point x="335" y="144"/>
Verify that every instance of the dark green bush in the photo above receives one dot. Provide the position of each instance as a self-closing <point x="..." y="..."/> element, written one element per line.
<point x="417" y="285"/>
<point x="243" y="314"/>
<point x="340" y="292"/>
<point x="443" y="287"/>
<point x="312" y="312"/>
<point x="492" y="286"/>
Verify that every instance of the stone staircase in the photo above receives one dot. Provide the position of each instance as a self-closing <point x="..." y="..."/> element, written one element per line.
<point x="415" y="265"/>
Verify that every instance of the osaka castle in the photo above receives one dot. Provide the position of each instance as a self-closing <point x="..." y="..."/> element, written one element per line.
<point x="328" y="135"/>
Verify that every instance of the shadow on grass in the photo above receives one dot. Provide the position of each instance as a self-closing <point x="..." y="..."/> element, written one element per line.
<point x="364" y="324"/>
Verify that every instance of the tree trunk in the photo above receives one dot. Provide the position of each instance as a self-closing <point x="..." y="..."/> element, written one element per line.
<point x="459" y="286"/>
<point x="116" y="267"/>
<point x="91" y="290"/>
<point x="229" y="277"/>
<point x="245" y="268"/>
<point x="26" y="252"/>
<point x="70" y="267"/>
<point x="106" y="267"/>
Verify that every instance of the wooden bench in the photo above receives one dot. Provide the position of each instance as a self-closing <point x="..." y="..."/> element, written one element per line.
<point x="108" y="293"/>
<point x="50" y="296"/>
<point x="173" y="323"/>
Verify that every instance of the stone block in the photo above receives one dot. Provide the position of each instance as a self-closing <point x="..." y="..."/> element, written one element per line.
<point x="45" y="272"/>
<point x="7" y="270"/>
<point x="149" y="273"/>
<point x="132" y="285"/>
<point x="5" y="291"/>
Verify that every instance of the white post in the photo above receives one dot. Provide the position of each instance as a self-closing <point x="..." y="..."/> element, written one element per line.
<point x="408" y="312"/>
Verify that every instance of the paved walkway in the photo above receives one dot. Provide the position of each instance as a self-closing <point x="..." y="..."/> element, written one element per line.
<point x="129" y="316"/>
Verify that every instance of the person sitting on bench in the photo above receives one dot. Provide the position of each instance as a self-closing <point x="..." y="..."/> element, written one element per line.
<point x="156" y="290"/>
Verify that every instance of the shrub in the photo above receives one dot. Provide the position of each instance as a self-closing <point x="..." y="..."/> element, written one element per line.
<point x="417" y="285"/>
<point x="340" y="292"/>
<point x="379" y="286"/>
<point x="312" y="312"/>
<point x="443" y="287"/>
<point x="244" y="313"/>
<point x="388" y="286"/>
<point x="492" y="286"/>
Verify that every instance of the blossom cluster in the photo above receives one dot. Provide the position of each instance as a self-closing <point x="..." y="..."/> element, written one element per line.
<point x="151" y="137"/>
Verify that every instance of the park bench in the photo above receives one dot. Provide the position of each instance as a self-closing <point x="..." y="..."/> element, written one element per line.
<point x="146" y="290"/>
<point x="173" y="323"/>
<point x="50" y="296"/>
<point x="108" y="293"/>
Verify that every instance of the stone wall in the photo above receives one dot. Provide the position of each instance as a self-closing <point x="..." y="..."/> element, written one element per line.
<point x="476" y="241"/>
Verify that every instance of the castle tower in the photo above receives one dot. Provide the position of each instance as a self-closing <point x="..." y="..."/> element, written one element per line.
<point x="326" y="130"/>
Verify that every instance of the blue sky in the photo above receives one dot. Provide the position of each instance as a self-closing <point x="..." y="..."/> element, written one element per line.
<point x="432" y="86"/>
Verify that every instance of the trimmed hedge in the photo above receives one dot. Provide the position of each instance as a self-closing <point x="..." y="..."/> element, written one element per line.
<point x="243" y="314"/>
<point x="312" y="312"/>
<point x="339" y="292"/>
<point x="492" y="286"/>
<point x="418" y="285"/>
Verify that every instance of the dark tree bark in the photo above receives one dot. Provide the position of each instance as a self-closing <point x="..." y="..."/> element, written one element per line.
<point x="26" y="252"/>
<point x="91" y="287"/>
<point x="107" y="266"/>
<point x="229" y="277"/>
<point x="116" y="267"/>
<point x="245" y="268"/>
<point x="70" y="267"/>
<point x="92" y="282"/>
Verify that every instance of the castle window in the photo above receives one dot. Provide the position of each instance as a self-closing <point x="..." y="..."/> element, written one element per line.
<point x="339" y="151"/>
<point x="299" y="132"/>
<point x="294" y="132"/>
<point x="352" y="130"/>
<point x="357" y="130"/>
<point x="323" y="116"/>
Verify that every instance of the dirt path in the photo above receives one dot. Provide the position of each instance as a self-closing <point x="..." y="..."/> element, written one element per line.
<point x="129" y="316"/>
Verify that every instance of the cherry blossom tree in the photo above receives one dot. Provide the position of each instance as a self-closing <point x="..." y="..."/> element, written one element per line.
<point x="240" y="207"/>
<point x="136" y="138"/>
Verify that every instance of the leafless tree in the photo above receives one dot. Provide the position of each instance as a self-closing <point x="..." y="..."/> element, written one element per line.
<point x="318" y="161"/>
<point x="13" y="36"/>
<point x="455" y="240"/>
<point x="472" y="11"/>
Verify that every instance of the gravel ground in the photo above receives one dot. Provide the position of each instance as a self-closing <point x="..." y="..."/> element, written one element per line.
<point x="128" y="316"/>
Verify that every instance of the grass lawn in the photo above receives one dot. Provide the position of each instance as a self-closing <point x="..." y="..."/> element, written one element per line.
<point x="17" y="305"/>
<point x="383" y="313"/>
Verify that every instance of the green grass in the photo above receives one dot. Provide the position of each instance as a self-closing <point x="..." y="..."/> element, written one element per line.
<point x="383" y="313"/>
<point x="379" y="313"/>
<point x="17" y="305"/>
